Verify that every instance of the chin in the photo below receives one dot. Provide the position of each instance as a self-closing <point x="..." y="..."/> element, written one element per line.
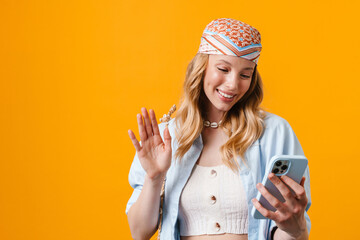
<point x="224" y="108"/>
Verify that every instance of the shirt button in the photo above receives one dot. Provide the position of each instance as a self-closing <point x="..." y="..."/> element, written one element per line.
<point x="213" y="173"/>
<point x="217" y="227"/>
<point x="213" y="199"/>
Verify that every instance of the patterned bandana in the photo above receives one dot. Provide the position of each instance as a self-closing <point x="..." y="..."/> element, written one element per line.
<point x="231" y="37"/>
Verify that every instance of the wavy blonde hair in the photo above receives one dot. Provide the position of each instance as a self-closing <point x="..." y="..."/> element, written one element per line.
<point x="243" y="123"/>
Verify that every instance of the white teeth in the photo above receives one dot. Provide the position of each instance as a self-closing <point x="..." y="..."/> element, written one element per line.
<point x="225" y="95"/>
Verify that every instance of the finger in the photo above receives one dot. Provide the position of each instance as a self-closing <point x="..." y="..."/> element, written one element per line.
<point x="147" y="122"/>
<point x="134" y="140"/>
<point x="302" y="181"/>
<point x="284" y="190"/>
<point x="167" y="139"/>
<point x="276" y="203"/>
<point x="154" y="122"/>
<point x="142" y="132"/>
<point x="265" y="212"/>
<point x="297" y="188"/>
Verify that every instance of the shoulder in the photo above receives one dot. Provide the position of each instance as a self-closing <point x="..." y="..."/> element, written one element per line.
<point x="275" y="125"/>
<point x="171" y="127"/>
<point x="278" y="138"/>
<point x="273" y="121"/>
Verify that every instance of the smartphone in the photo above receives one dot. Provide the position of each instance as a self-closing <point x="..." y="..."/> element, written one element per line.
<point x="292" y="166"/>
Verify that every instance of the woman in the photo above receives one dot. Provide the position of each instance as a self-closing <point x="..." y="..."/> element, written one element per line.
<point x="211" y="171"/>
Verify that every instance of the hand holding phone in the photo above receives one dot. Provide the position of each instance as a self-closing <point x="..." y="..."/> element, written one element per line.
<point x="292" y="166"/>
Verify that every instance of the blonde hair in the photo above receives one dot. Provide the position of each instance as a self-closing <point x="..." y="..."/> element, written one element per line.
<point x="243" y="123"/>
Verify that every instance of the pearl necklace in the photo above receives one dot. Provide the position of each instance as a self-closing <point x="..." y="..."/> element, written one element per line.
<point x="211" y="124"/>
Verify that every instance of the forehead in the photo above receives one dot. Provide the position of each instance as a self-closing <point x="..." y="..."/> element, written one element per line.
<point x="237" y="62"/>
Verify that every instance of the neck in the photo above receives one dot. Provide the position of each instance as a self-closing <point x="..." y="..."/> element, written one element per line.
<point x="209" y="135"/>
<point x="214" y="115"/>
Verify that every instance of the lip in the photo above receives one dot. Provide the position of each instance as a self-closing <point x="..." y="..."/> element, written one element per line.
<point x="224" y="99"/>
<point x="228" y="93"/>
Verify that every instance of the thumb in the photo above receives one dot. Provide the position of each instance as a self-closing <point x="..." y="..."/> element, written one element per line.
<point x="302" y="181"/>
<point x="167" y="138"/>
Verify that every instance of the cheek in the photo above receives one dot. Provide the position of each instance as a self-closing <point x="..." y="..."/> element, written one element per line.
<point x="212" y="78"/>
<point x="245" y="85"/>
<point x="243" y="88"/>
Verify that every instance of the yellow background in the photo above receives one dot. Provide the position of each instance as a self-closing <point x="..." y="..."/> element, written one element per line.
<point x="74" y="74"/>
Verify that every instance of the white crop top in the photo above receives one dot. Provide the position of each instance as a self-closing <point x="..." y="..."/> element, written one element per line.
<point x="213" y="201"/>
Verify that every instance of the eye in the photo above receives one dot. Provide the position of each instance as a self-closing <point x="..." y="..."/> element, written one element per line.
<point x="245" y="76"/>
<point x="223" y="70"/>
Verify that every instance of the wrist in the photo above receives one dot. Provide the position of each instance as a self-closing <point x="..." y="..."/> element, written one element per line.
<point x="282" y="235"/>
<point x="157" y="181"/>
<point x="303" y="236"/>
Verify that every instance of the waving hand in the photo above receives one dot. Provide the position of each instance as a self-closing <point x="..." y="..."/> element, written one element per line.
<point x="154" y="153"/>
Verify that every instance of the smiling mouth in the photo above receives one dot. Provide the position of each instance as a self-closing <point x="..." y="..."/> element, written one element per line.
<point x="225" y="95"/>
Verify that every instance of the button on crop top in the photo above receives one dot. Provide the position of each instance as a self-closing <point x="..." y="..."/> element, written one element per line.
<point x="213" y="201"/>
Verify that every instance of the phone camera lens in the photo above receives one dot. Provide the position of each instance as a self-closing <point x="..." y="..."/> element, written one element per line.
<point x="284" y="167"/>
<point x="275" y="170"/>
<point x="278" y="163"/>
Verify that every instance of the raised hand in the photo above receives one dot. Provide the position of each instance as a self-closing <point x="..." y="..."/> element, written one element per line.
<point x="154" y="153"/>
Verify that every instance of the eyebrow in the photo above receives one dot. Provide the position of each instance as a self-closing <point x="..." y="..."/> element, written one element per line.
<point x="248" y="68"/>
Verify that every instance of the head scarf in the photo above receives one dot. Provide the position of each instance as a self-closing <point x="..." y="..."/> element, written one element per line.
<point x="231" y="37"/>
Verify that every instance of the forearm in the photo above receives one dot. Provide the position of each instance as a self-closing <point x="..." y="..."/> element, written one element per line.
<point x="282" y="235"/>
<point x="143" y="215"/>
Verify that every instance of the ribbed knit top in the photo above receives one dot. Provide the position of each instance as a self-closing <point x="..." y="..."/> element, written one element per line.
<point x="213" y="201"/>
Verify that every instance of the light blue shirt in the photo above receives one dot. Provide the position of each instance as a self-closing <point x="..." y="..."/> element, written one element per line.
<point x="278" y="138"/>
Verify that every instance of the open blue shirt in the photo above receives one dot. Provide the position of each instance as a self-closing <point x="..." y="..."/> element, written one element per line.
<point x="278" y="138"/>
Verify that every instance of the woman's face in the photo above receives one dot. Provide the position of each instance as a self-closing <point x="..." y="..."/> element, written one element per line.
<point x="226" y="80"/>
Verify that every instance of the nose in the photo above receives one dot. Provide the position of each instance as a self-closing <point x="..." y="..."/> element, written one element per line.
<point x="232" y="82"/>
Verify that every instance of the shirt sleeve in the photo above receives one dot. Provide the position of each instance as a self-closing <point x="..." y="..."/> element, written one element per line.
<point x="136" y="180"/>
<point x="280" y="139"/>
